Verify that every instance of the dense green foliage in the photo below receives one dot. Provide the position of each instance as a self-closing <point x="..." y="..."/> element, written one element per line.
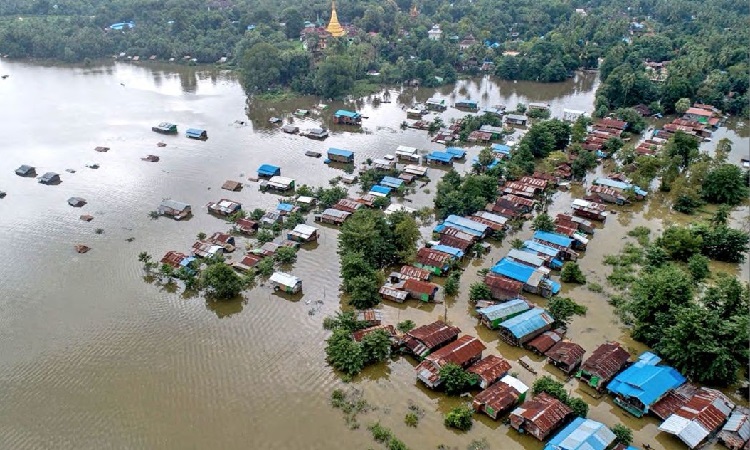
<point x="562" y="309"/>
<point x="571" y="273"/>
<point x="221" y="281"/>
<point x="543" y="222"/>
<point x="460" y="417"/>
<point x="455" y="379"/>
<point x="623" y="434"/>
<point x="464" y="195"/>
<point x="479" y="291"/>
<point x="346" y="354"/>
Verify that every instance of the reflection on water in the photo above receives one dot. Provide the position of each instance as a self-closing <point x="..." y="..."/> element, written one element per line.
<point x="94" y="356"/>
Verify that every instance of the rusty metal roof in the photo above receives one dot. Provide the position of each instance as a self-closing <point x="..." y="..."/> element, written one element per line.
<point x="490" y="368"/>
<point x="370" y="315"/>
<point x="674" y="400"/>
<point x="456" y="242"/>
<point x="703" y="415"/>
<point x="420" y="287"/>
<point x="455" y="232"/>
<point x="566" y="352"/>
<point x="607" y="361"/>
<point x="434" y="334"/>
<point x="544" y="411"/>
<point x="433" y="258"/>
<point x="220" y="238"/>
<point x="415" y="272"/>
<point x="544" y="341"/>
<point x="173" y="259"/>
<point x="246" y="224"/>
<point x="498" y="397"/>
<point x="737" y="429"/>
<point x="460" y="352"/>
<point x="502" y="286"/>
<point x="538" y="182"/>
<point x="348" y="205"/>
<point x="360" y="334"/>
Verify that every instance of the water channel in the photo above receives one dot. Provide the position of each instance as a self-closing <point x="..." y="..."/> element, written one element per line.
<point x="92" y="356"/>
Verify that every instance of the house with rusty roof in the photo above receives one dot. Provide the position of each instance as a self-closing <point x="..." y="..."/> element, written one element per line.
<point x="545" y="341"/>
<point x="492" y="316"/>
<point x="503" y="288"/>
<point x="347" y="204"/>
<point x="415" y="273"/>
<point x="699" y="419"/>
<point x="674" y="400"/>
<point x="736" y="432"/>
<point x="583" y="434"/>
<point x="489" y="369"/>
<point x="360" y="334"/>
<point x="224" y="207"/>
<point x="433" y="261"/>
<point x="455" y="242"/>
<point x="223" y="239"/>
<point x="500" y="397"/>
<point x="246" y="226"/>
<point x="421" y="290"/>
<point x="640" y="386"/>
<point x="540" y="416"/>
<point x="463" y="352"/>
<point x="566" y="356"/>
<point x="393" y="294"/>
<point x="173" y="259"/>
<point x="248" y="262"/>
<point x="525" y="326"/>
<point x="371" y="317"/>
<point x="422" y="341"/>
<point x="605" y="362"/>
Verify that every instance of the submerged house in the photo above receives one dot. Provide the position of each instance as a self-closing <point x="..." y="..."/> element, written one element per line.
<point x="332" y="216"/>
<point x="421" y="290"/>
<point x="503" y="288"/>
<point x="285" y="282"/>
<point x="196" y="133"/>
<point x="540" y="416"/>
<point x="583" y="434"/>
<point x="490" y="369"/>
<point x="277" y="183"/>
<point x="558" y="241"/>
<point x="545" y="341"/>
<point x="535" y="280"/>
<point x="702" y="417"/>
<point x="407" y="153"/>
<point x="525" y="326"/>
<point x="415" y="273"/>
<point x="174" y="259"/>
<point x="433" y="261"/>
<point x="224" y="207"/>
<point x="26" y="171"/>
<point x="246" y="226"/>
<point x="500" y="397"/>
<point x="552" y="256"/>
<point x="468" y="226"/>
<point x="303" y="233"/>
<point x="393" y="294"/>
<point x="641" y="385"/>
<point x="605" y="362"/>
<point x="566" y="356"/>
<point x="165" y="128"/>
<point x="493" y="316"/>
<point x="465" y="351"/>
<point x="621" y="187"/>
<point x="174" y="209"/>
<point x="526" y="258"/>
<point x="268" y="171"/>
<point x="422" y="341"/>
<point x="344" y="117"/>
<point x="437" y="157"/>
<point x="50" y="178"/>
<point x="340" y="156"/>
<point x="467" y="104"/>
<point x="736" y="432"/>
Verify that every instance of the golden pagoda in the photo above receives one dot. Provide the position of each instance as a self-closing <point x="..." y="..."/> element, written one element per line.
<point x="334" y="27"/>
<point x="414" y="11"/>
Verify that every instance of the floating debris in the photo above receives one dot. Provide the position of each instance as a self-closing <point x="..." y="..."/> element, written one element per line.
<point x="151" y="158"/>
<point x="70" y="170"/>
<point x="274" y="120"/>
<point x="130" y="239"/>
<point x="101" y="149"/>
<point x="92" y="165"/>
<point x="2" y="194"/>
<point x="80" y="248"/>
<point x="76" y="201"/>
<point x="161" y="144"/>
<point x="86" y="218"/>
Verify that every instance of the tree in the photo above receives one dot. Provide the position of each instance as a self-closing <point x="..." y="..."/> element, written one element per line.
<point x="257" y="214"/>
<point x="550" y="386"/>
<point x="376" y="346"/>
<point x="479" y="291"/>
<point x="723" y="243"/>
<point x="682" y="105"/>
<point x="293" y="22"/>
<point x="367" y="232"/>
<point x="201" y="236"/>
<point x="265" y="267"/>
<point x="460" y="418"/>
<point x="571" y="273"/>
<point x="485" y="158"/>
<point x="562" y="309"/>
<point x="346" y="320"/>
<point x="406" y="326"/>
<point x="353" y="264"/>
<point x="586" y="161"/>
<point x="145" y="258"/>
<point x="259" y="68"/>
<point x="543" y="222"/>
<point x="725" y="184"/>
<point x="684" y="147"/>
<point x="579" y="407"/>
<point x="221" y="281"/>
<point x="405" y="236"/>
<point x="264" y="236"/>
<point x="623" y="434"/>
<point x="452" y="283"/>
<point x="680" y="243"/>
<point x="698" y="267"/>
<point x="335" y="76"/>
<point x="455" y="379"/>
<point x="345" y="354"/>
<point x="721" y="216"/>
<point x="364" y="292"/>
<point x="285" y="255"/>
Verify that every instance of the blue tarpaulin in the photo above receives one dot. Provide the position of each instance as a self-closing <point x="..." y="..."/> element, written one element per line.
<point x="513" y="270"/>
<point x="456" y="152"/>
<point x="621" y="185"/>
<point x="479" y="229"/>
<point x="440" y="157"/>
<point x="268" y="170"/>
<point x="340" y="152"/>
<point x="501" y="148"/>
<point x="582" y="434"/>
<point x="345" y="113"/>
<point x="286" y="207"/>
<point x="378" y="189"/>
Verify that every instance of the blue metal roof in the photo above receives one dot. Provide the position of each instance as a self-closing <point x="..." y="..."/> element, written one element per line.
<point x="380" y="189"/>
<point x="345" y="113"/>
<point x="528" y="322"/>
<point x="513" y="270"/>
<point x="614" y="184"/>
<point x="340" y="152"/>
<point x="456" y="152"/>
<point x="506" y="309"/>
<point x="453" y="251"/>
<point x="555" y="238"/>
<point x="462" y="222"/>
<point x="645" y="380"/>
<point x="492" y="165"/>
<point x="582" y="434"/>
<point x="501" y="148"/>
<point x="440" y="156"/>
<point x="392" y="182"/>
<point x="467" y="102"/>
<point x="538" y="247"/>
<point x="288" y="207"/>
<point x="195" y="131"/>
<point x="269" y="170"/>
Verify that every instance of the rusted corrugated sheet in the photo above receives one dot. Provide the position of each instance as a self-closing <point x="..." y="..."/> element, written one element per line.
<point x="498" y="397"/>
<point x="566" y="353"/>
<point x="434" y="334"/>
<point x="415" y="272"/>
<point x="674" y="400"/>
<point x="516" y="200"/>
<point x="360" y="334"/>
<point x="708" y="407"/>
<point x="416" y="287"/>
<point x="532" y="181"/>
<point x="503" y="288"/>
<point x="347" y="205"/>
<point x="544" y="412"/>
<point x="544" y="341"/>
<point x="493" y="225"/>
<point x="461" y="352"/>
<point x="173" y="259"/>
<point x="455" y="232"/>
<point x="490" y="368"/>
<point x="432" y="258"/>
<point x="455" y="242"/>
<point x="607" y="361"/>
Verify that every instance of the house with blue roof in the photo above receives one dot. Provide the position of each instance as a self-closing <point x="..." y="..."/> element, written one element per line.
<point x="526" y="326"/>
<point x="196" y="133"/>
<point x="457" y="153"/>
<point x="469" y="226"/>
<point x="641" y="385"/>
<point x="340" y="155"/>
<point x="535" y="280"/>
<point x="453" y="251"/>
<point x="621" y="187"/>
<point x="550" y="254"/>
<point x="380" y="191"/>
<point x="268" y="171"/>
<point x="493" y="316"/>
<point x="558" y="241"/>
<point x="391" y="182"/>
<point x="467" y="104"/>
<point x="582" y="434"/>
<point x="344" y="117"/>
<point x="492" y="165"/>
<point x="501" y="150"/>
<point x="438" y="157"/>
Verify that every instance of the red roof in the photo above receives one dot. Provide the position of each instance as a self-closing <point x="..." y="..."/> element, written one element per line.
<point x="519" y="200"/>
<point x="460" y="352"/>
<point x="173" y="259"/>
<point x="455" y="242"/>
<point x="251" y="260"/>
<point x="702" y="408"/>
<point x="498" y="397"/>
<point x="565" y="352"/>
<point x="699" y="112"/>
<point x="418" y="287"/>
<point x="455" y="232"/>
<point x="432" y="258"/>
<point x="502" y="286"/>
<point x="606" y="361"/>
<point x="544" y="411"/>
<point x="490" y="368"/>
<point x="246" y="225"/>
<point x="612" y="123"/>
<point x="674" y="400"/>
<point x="415" y="272"/>
<point x="348" y="205"/>
<point x="494" y="226"/>
<point x="360" y="334"/>
<point x="220" y="238"/>
<point x="434" y="334"/>
<point x="544" y="341"/>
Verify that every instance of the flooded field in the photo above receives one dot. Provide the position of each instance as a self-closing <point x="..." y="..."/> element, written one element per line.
<point x="93" y="356"/>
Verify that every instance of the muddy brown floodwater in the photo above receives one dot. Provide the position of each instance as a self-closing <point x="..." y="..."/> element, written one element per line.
<point x="95" y="357"/>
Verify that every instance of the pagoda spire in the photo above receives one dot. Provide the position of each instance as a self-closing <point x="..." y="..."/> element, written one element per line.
<point x="334" y="27"/>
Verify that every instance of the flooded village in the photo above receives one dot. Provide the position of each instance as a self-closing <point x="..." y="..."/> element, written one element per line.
<point x="84" y="332"/>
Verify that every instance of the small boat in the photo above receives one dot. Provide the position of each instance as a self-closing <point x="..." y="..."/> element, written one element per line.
<point x="151" y="158"/>
<point x="526" y="363"/>
<point x="313" y="154"/>
<point x="274" y="120"/>
<point x="101" y="149"/>
<point x="161" y="144"/>
<point x="165" y="128"/>
<point x="80" y="248"/>
<point x="92" y="165"/>
<point x="290" y="129"/>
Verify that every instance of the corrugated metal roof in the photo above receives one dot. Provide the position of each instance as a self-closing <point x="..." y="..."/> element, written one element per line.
<point x="360" y="334"/>
<point x="415" y="272"/>
<point x="501" y="148"/>
<point x="607" y="360"/>
<point x="346" y="113"/>
<point x="341" y="152"/>
<point x="440" y="156"/>
<point x="582" y="434"/>
<point x="501" y="220"/>
<point x="514" y="270"/>
<point x="420" y="287"/>
<point x="269" y="170"/>
<point x="455" y="252"/>
<point x="503" y="310"/>
<point x="528" y="322"/>
<point x="515" y="382"/>
<point x="455" y="242"/>
<point x="645" y="381"/>
<point x="544" y="341"/>
<point x="541" y="248"/>
<point x="378" y="189"/>
<point x="460" y="352"/>
<point x="554" y="238"/>
<point x="490" y="368"/>
<point x="434" y="334"/>
<point x="614" y="184"/>
<point x="499" y="284"/>
<point x="456" y="152"/>
<point x="736" y="432"/>
<point x="392" y="182"/>
<point x="284" y="279"/>
<point x="174" y="204"/>
<point x="566" y="352"/>
<point x="498" y="397"/>
<point x="526" y="257"/>
<point x="432" y="258"/>
<point x="702" y="415"/>
<point x="336" y="213"/>
<point x="544" y="411"/>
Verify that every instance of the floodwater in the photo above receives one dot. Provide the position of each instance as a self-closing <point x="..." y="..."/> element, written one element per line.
<point x="95" y="356"/>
